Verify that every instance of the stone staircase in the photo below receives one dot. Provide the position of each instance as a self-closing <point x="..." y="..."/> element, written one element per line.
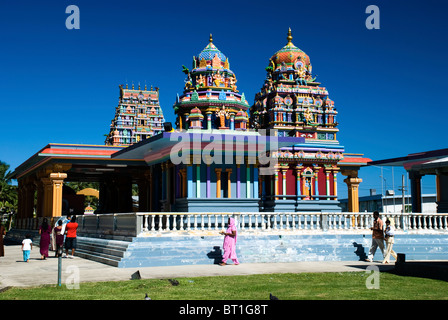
<point x="107" y="251"/>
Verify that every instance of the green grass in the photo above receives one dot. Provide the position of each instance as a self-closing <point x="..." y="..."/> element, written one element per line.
<point x="310" y="286"/>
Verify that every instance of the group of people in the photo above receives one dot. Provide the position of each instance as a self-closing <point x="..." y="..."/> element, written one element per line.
<point x="64" y="231"/>
<point x="379" y="234"/>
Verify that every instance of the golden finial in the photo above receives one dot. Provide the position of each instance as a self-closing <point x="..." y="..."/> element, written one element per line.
<point x="289" y="37"/>
<point x="211" y="38"/>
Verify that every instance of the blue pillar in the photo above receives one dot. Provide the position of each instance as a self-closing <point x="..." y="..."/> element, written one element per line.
<point x="208" y="182"/>
<point x="189" y="181"/>
<point x="238" y="182"/>
<point x="255" y="183"/>
<point x="298" y="193"/>
<point x="198" y="181"/>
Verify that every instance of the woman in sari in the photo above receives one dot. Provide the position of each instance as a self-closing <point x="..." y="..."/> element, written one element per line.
<point x="229" y="245"/>
<point x="57" y="241"/>
<point x="44" y="231"/>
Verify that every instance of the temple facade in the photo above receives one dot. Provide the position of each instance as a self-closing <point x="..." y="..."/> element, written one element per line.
<point x="138" y="116"/>
<point x="292" y="103"/>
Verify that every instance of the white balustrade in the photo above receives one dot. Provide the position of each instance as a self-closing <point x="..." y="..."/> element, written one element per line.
<point x="156" y="222"/>
<point x="290" y="221"/>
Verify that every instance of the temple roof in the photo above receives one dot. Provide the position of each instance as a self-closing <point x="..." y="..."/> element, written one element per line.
<point x="290" y="53"/>
<point x="210" y="51"/>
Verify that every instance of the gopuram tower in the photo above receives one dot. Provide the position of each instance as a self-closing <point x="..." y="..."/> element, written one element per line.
<point x="292" y="103"/>
<point x="138" y="116"/>
<point x="210" y="99"/>
<point x="212" y="114"/>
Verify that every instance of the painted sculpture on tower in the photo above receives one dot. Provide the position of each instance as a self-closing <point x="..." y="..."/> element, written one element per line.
<point x="138" y="116"/>
<point x="292" y="103"/>
<point x="210" y="99"/>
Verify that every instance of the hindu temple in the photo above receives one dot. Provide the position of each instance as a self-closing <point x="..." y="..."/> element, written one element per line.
<point x="285" y="157"/>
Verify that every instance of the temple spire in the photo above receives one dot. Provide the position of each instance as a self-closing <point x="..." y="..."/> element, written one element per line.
<point x="289" y="37"/>
<point x="211" y="38"/>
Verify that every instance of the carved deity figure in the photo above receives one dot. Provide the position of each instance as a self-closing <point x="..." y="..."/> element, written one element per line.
<point x="200" y="80"/>
<point x="222" y="114"/>
<point x="217" y="79"/>
<point x="301" y="75"/>
<point x="308" y="116"/>
<point x="232" y="82"/>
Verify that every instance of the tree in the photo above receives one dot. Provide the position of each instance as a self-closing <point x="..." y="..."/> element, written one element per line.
<point x="8" y="192"/>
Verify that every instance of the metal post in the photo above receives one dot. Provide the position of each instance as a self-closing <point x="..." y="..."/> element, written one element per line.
<point x="59" y="265"/>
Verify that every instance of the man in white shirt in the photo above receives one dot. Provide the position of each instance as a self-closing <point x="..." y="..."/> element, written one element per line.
<point x="389" y="236"/>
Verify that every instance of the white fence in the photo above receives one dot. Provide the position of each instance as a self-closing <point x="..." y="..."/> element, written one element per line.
<point x="293" y="221"/>
<point x="131" y="224"/>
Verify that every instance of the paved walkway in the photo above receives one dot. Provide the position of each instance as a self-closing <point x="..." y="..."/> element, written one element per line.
<point x="15" y="272"/>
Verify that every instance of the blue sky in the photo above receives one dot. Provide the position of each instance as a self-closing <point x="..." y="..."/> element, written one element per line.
<point x="59" y="85"/>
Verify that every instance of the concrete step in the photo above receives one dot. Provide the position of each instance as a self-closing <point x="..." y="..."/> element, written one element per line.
<point x="95" y="257"/>
<point x="107" y="251"/>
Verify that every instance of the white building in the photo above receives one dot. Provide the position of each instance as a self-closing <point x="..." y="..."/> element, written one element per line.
<point x="391" y="203"/>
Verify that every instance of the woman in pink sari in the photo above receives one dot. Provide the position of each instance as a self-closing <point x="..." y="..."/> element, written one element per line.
<point x="229" y="245"/>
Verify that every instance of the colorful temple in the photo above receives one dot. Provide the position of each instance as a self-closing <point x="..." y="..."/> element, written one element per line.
<point x="138" y="116"/>
<point x="284" y="157"/>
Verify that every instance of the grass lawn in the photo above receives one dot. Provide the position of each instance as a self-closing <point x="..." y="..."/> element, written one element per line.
<point x="309" y="286"/>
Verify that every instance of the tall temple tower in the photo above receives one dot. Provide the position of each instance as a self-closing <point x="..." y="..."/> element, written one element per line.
<point x="292" y="103"/>
<point x="211" y="108"/>
<point x="210" y="99"/>
<point x="138" y="116"/>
